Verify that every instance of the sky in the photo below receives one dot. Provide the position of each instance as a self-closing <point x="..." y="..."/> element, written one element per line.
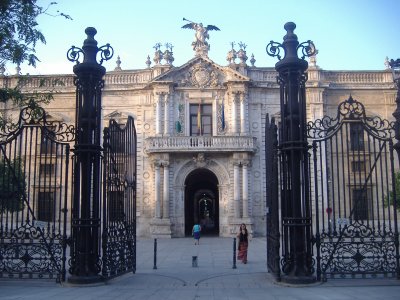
<point x="349" y="34"/>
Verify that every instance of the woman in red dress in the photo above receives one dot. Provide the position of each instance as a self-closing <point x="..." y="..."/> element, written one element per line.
<point x="243" y="245"/>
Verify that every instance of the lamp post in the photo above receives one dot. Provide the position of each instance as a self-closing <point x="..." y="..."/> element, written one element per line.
<point x="395" y="67"/>
<point x="85" y="264"/>
<point x="297" y="261"/>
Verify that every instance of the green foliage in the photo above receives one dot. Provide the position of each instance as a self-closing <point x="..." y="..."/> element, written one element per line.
<point x="12" y="185"/>
<point x="19" y="35"/>
<point x="390" y="197"/>
<point x="18" y="30"/>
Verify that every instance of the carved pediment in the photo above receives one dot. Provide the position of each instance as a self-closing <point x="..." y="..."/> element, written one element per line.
<point x="201" y="75"/>
<point x="120" y="117"/>
<point x="200" y="72"/>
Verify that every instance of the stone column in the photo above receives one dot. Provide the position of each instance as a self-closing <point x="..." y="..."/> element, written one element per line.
<point x="234" y="115"/>
<point x="166" y="191"/>
<point x="158" y="113"/>
<point x="245" y="191"/>
<point x="243" y="120"/>
<point x="157" y="190"/>
<point x="236" y="190"/>
<point x="166" y="114"/>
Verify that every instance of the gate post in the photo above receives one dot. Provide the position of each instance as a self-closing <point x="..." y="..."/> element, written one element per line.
<point x="85" y="233"/>
<point x="395" y="66"/>
<point x="297" y="266"/>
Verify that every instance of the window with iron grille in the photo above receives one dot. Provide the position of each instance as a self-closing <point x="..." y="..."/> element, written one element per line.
<point x="45" y="211"/>
<point x="357" y="166"/>
<point x="361" y="201"/>
<point x="117" y="141"/>
<point x="116" y="206"/>
<point x="357" y="137"/>
<point x="46" y="169"/>
<point x="47" y="144"/>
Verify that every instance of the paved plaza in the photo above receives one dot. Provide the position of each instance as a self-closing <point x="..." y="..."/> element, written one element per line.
<point x="177" y="278"/>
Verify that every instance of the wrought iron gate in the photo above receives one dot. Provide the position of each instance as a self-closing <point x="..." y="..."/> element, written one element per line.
<point x="119" y="199"/>
<point x="353" y="194"/>
<point x="34" y="168"/>
<point x="271" y="161"/>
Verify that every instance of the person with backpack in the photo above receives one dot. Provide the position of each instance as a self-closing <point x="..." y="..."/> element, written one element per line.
<point x="196" y="233"/>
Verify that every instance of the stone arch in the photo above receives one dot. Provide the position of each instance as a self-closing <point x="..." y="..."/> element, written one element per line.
<point x="181" y="174"/>
<point x="187" y="166"/>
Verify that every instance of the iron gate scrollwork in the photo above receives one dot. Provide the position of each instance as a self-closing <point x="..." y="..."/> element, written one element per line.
<point x="354" y="195"/>
<point x="34" y="168"/>
<point x="119" y="199"/>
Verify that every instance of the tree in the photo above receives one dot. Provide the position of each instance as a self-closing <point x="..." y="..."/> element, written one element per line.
<point x="19" y="35"/>
<point x="18" y="30"/>
<point x="389" y="198"/>
<point x="12" y="185"/>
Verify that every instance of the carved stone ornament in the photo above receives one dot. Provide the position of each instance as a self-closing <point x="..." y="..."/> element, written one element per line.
<point x="200" y="160"/>
<point x="202" y="76"/>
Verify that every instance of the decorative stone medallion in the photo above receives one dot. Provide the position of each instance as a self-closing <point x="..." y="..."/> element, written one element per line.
<point x="201" y="76"/>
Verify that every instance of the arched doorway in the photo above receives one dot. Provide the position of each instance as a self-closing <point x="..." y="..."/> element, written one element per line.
<point x="201" y="202"/>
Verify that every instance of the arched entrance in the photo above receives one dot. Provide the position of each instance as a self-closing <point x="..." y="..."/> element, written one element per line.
<point x="201" y="202"/>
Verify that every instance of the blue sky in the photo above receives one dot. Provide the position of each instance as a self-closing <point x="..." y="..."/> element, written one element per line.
<point x="350" y="35"/>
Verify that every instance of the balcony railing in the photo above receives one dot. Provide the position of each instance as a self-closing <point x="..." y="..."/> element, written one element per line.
<point x="200" y="143"/>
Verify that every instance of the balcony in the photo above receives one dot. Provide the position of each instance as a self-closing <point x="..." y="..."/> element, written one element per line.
<point x="200" y="144"/>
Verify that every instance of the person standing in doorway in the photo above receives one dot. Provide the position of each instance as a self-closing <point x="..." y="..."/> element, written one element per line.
<point x="196" y="233"/>
<point x="243" y="245"/>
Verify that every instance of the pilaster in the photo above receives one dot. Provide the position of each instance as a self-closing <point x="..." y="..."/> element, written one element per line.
<point x="166" y="191"/>
<point x="157" y="200"/>
<point x="236" y="189"/>
<point x="243" y="113"/>
<point x="158" y="100"/>
<point x="235" y="100"/>
<point x="245" y="189"/>
<point x="166" y="114"/>
<point x="160" y="225"/>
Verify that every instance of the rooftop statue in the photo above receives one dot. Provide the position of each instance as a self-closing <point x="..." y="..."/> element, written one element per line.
<point x="200" y="44"/>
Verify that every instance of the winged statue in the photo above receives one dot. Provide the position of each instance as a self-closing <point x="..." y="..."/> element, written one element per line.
<point x="201" y="33"/>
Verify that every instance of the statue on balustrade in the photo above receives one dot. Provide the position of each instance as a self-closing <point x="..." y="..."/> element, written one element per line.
<point x="201" y="35"/>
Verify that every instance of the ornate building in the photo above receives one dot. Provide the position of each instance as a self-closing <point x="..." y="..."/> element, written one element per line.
<point x="201" y="131"/>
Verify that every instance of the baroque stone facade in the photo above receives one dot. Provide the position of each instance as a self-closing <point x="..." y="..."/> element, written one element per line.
<point x="201" y="137"/>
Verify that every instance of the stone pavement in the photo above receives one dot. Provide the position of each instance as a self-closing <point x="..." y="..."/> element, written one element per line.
<point x="214" y="278"/>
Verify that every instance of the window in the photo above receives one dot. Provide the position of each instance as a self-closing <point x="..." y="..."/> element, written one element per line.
<point x="46" y="169"/>
<point x="357" y="166"/>
<point x="200" y="119"/>
<point x="360" y="204"/>
<point x="356" y="137"/>
<point x="45" y="206"/>
<point x="47" y="143"/>
<point x="117" y="141"/>
<point x="116" y="206"/>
